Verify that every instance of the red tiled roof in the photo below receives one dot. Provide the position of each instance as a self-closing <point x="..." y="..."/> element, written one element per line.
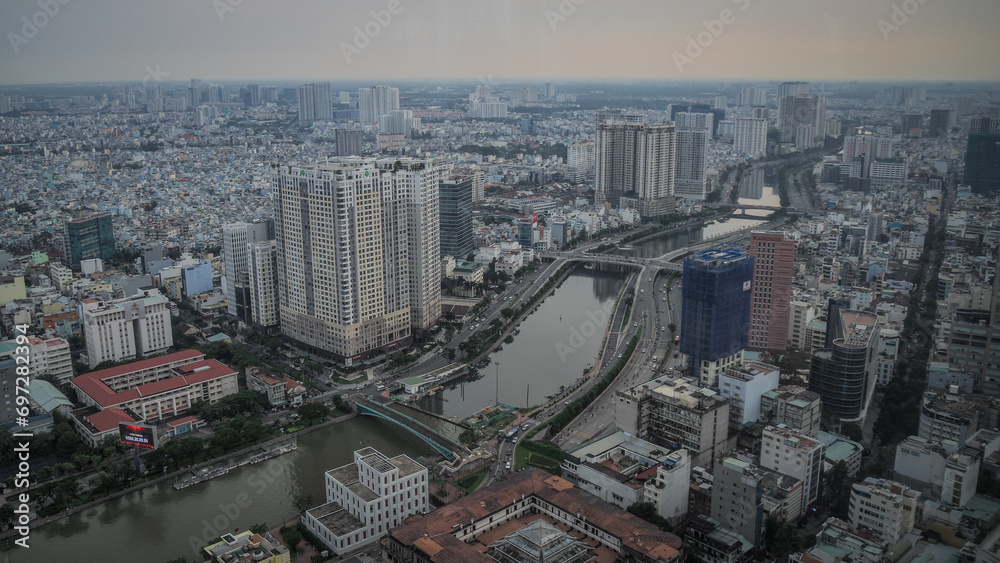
<point x="291" y="384"/>
<point x="92" y="384"/>
<point x="634" y="533"/>
<point x="145" y="364"/>
<point x="108" y="419"/>
<point x="184" y="420"/>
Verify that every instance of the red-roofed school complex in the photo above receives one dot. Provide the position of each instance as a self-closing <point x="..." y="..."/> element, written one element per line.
<point x="149" y="390"/>
<point x="530" y="516"/>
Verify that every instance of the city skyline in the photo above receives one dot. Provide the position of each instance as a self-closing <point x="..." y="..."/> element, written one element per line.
<point x="736" y="40"/>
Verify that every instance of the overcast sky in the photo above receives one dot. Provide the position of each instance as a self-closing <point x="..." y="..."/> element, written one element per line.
<point x="125" y="40"/>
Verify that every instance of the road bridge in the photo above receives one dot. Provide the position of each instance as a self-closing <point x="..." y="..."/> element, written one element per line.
<point x="445" y="446"/>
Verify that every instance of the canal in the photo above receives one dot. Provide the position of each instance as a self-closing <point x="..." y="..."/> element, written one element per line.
<point x="554" y="346"/>
<point x="160" y="523"/>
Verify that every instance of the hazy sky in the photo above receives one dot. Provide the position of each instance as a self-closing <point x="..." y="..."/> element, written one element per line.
<point x="129" y="40"/>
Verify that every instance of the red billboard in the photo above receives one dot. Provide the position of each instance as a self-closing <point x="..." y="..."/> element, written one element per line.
<point x="138" y="436"/>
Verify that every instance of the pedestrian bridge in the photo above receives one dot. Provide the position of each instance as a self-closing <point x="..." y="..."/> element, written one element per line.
<point x="445" y="446"/>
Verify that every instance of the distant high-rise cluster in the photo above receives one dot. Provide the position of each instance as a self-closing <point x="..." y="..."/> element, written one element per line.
<point x="376" y="101"/>
<point x="482" y="105"/>
<point x="907" y="95"/>
<point x="315" y="103"/>
<point x="399" y="121"/>
<point x="798" y="110"/>
<point x="358" y="253"/>
<point x="751" y="96"/>
<point x="635" y="164"/>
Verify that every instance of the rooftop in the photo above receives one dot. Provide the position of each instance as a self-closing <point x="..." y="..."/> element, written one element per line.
<point x="716" y="255"/>
<point x="438" y="527"/>
<point x="336" y="518"/>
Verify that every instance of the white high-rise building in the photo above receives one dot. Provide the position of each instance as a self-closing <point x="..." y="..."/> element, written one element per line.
<point x="636" y="161"/>
<point x="235" y="252"/>
<point x="751" y="96"/>
<point x="580" y="158"/>
<point x="50" y="357"/>
<point x="488" y="107"/>
<point x="399" y="121"/>
<point x="376" y="101"/>
<point x="262" y="262"/>
<point x="694" y="120"/>
<point x="805" y="136"/>
<point x="886" y="508"/>
<point x="786" y="89"/>
<point x="358" y="257"/>
<point x="125" y="328"/>
<point x="750" y="136"/>
<point x="691" y="162"/>
<point x="786" y="451"/>
<point x="315" y="103"/>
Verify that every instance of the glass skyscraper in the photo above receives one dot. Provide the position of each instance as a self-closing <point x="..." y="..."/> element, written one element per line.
<point x="715" y="319"/>
<point x="90" y="237"/>
<point x="455" y="200"/>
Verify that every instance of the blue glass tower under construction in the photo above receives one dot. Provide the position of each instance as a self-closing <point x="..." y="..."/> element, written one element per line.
<point x="715" y="319"/>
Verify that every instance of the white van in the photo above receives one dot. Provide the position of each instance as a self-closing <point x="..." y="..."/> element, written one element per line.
<point x="380" y="388"/>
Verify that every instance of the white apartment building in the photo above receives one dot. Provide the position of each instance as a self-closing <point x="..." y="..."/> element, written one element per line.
<point x="750" y="136"/>
<point x="399" y="121"/>
<point x="668" y="490"/>
<point x="367" y="498"/>
<point x="885" y="508"/>
<point x="358" y="253"/>
<point x="694" y="120"/>
<point x="744" y="384"/>
<point x="50" y="357"/>
<point x="125" y="328"/>
<point x="691" y="162"/>
<point x="376" y="101"/>
<point x="235" y="252"/>
<point x="889" y="172"/>
<point x="262" y="263"/>
<point x="315" y="102"/>
<point x="805" y="136"/>
<point x="786" y="451"/>
<point x="580" y="157"/>
<point x="800" y="315"/>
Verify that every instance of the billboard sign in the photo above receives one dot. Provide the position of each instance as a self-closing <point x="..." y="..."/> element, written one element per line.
<point x="136" y="435"/>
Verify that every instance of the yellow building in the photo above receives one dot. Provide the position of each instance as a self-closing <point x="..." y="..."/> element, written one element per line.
<point x="11" y="288"/>
<point x="250" y="547"/>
